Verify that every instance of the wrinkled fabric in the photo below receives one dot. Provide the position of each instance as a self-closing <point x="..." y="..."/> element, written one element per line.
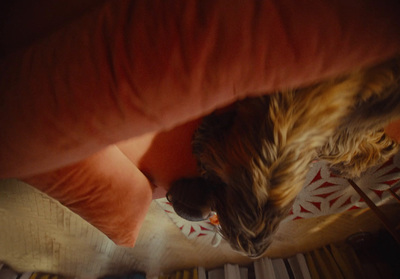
<point x="124" y="68"/>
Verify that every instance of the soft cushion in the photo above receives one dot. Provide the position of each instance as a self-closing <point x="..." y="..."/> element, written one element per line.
<point x="110" y="190"/>
<point x="106" y="189"/>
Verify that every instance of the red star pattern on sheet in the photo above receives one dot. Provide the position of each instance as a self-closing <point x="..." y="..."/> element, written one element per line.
<point x="191" y="230"/>
<point x="325" y="193"/>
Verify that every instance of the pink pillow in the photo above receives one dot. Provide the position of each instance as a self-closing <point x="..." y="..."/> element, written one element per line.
<point x="106" y="190"/>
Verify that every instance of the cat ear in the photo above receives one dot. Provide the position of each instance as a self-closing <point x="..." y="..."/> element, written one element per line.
<point x="190" y="198"/>
<point x="219" y="122"/>
<point x="194" y="189"/>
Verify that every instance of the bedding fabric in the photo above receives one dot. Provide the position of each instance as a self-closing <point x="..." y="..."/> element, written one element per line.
<point x="79" y="76"/>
